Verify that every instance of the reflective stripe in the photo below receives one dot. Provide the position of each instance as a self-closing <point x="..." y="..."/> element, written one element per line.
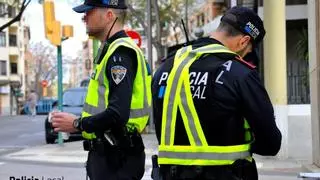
<point x="146" y="108"/>
<point x="204" y="155"/>
<point x="190" y="121"/>
<point x="137" y="113"/>
<point x="172" y="95"/>
<point x="92" y="109"/>
<point x="216" y="48"/>
<point x="101" y="94"/>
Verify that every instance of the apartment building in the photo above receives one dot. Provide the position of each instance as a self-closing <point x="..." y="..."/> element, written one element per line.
<point x="12" y="66"/>
<point x="82" y="69"/>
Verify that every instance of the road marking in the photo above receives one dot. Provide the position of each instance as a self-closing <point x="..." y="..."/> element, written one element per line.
<point x="259" y="165"/>
<point x="41" y="133"/>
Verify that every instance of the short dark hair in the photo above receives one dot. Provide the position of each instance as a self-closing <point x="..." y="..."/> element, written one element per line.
<point x="121" y="14"/>
<point x="230" y="30"/>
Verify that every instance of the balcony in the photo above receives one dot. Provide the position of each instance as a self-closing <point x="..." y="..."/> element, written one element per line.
<point x="14" y="78"/>
<point x="4" y="80"/>
<point x="13" y="51"/>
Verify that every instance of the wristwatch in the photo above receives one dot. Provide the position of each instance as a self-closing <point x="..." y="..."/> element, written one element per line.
<point x="77" y="124"/>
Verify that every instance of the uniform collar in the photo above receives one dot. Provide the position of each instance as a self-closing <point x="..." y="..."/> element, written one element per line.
<point x="119" y="34"/>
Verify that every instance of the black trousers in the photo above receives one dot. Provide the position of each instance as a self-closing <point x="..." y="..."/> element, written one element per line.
<point x="103" y="167"/>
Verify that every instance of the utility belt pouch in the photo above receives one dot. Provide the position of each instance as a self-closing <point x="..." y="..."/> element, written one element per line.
<point x="135" y="142"/>
<point x="244" y="169"/>
<point x="94" y="145"/>
<point x="87" y="145"/>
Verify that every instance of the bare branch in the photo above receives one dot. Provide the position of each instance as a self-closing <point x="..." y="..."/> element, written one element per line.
<point x="25" y="3"/>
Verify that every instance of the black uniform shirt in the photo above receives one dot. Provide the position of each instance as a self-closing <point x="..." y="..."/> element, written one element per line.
<point x="120" y="89"/>
<point x="225" y="91"/>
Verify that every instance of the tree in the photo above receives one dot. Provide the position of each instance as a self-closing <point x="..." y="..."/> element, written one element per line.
<point x="44" y="64"/>
<point x="166" y="16"/>
<point x="14" y="4"/>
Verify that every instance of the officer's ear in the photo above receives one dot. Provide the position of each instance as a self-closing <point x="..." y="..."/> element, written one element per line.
<point x="244" y="42"/>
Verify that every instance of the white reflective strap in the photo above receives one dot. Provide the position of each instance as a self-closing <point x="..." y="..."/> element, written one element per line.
<point x="215" y="48"/>
<point x="92" y="109"/>
<point x="101" y="96"/>
<point x="172" y="94"/>
<point x="137" y="113"/>
<point x="180" y="52"/>
<point x="191" y="121"/>
<point x="204" y="155"/>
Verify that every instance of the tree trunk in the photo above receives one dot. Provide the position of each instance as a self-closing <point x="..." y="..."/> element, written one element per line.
<point x="158" y="44"/>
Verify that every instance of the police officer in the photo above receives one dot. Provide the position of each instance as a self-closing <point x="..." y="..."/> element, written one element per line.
<point x="211" y="110"/>
<point x="117" y="104"/>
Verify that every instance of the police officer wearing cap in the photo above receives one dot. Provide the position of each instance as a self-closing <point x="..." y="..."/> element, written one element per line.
<point x="117" y="105"/>
<point x="211" y="110"/>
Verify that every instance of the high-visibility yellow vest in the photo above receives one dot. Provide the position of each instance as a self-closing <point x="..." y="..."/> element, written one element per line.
<point x="178" y="95"/>
<point x="98" y="89"/>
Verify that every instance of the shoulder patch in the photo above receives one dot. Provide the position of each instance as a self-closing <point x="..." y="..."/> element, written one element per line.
<point x="118" y="73"/>
<point x="251" y="66"/>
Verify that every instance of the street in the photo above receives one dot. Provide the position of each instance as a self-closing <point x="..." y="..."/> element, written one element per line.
<point x="21" y="131"/>
<point x="24" y="154"/>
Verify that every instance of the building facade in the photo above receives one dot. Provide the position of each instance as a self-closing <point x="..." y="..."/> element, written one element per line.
<point x="12" y="66"/>
<point x="81" y="70"/>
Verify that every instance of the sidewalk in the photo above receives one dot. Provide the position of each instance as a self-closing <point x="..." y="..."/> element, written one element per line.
<point x="72" y="152"/>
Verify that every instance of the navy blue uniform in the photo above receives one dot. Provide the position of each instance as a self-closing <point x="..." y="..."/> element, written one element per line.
<point x="225" y="92"/>
<point x="116" y="162"/>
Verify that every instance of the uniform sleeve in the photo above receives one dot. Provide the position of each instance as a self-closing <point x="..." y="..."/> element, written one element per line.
<point x="157" y="111"/>
<point x="259" y="113"/>
<point x="121" y="71"/>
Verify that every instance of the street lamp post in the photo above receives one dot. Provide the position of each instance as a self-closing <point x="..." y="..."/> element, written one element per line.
<point x="150" y="61"/>
<point x="54" y="34"/>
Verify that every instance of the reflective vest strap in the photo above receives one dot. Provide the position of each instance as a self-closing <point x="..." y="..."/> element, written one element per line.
<point x="170" y="107"/>
<point x="205" y="149"/>
<point x="101" y="104"/>
<point x="191" y="119"/>
<point x="247" y="134"/>
<point x="214" y="48"/>
<point x="181" y="52"/>
<point x="137" y="113"/>
<point x="194" y="162"/>
<point x="92" y="109"/>
<point x="204" y="155"/>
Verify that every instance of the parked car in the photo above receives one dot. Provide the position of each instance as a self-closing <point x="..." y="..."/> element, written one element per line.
<point x="43" y="107"/>
<point x="73" y="100"/>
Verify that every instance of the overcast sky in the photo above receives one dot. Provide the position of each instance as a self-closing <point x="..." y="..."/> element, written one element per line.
<point x="63" y="13"/>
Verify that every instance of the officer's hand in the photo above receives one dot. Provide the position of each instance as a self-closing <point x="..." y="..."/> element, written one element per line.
<point x="63" y="122"/>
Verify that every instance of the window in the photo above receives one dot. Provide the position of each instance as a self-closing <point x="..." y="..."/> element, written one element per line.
<point x="3" y="42"/>
<point x="12" y="40"/>
<point x="289" y="2"/>
<point x="12" y="11"/>
<point x="3" y="10"/>
<point x="3" y="68"/>
<point x="14" y="68"/>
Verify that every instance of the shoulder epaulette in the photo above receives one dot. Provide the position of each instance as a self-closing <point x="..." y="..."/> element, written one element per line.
<point x="251" y="66"/>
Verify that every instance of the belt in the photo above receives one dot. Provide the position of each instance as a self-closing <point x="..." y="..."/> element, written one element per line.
<point x="93" y="145"/>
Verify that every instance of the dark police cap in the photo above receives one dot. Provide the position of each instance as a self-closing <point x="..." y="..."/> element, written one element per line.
<point x="246" y="21"/>
<point x="90" y="4"/>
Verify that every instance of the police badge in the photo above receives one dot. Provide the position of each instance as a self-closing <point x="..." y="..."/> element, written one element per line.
<point x="118" y="73"/>
<point x="114" y="2"/>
